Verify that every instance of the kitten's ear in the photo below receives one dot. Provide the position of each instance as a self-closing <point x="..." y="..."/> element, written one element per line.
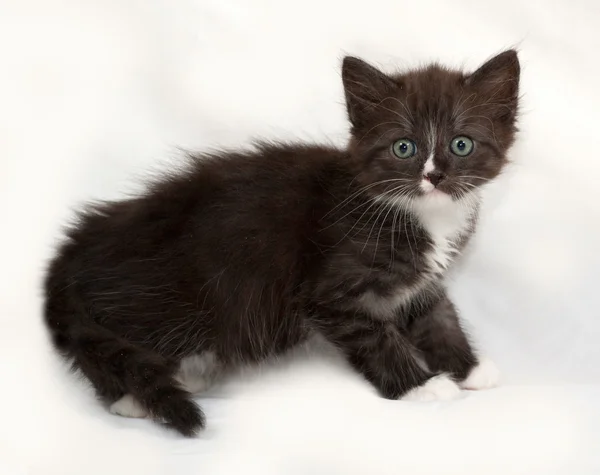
<point x="497" y="83"/>
<point x="365" y="88"/>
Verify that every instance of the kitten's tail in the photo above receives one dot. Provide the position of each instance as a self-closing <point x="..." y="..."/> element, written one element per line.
<point x="116" y="367"/>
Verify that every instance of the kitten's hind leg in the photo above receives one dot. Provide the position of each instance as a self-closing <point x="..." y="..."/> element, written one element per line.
<point x="196" y="374"/>
<point x="118" y="368"/>
<point x="446" y="348"/>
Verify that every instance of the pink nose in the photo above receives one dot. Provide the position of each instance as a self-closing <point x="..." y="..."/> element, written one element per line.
<point x="435" y="177"/>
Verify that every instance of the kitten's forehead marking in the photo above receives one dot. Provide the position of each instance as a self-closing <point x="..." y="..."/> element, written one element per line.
<point x="429" y="165"/>
<point x="431" y="137"/>
<point x="426" y="185"/>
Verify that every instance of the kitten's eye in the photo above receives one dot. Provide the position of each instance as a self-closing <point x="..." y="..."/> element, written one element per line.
<point x="461" y="146"/>
<point x="404" y="148"/>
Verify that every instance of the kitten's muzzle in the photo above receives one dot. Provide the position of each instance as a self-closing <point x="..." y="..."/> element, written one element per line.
<point x="434" y="177"/>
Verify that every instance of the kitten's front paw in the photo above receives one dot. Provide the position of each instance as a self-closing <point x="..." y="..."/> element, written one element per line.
<point x="128" y="406"/>
<point x="438" y="388"/>
<point x="483" y="376"/>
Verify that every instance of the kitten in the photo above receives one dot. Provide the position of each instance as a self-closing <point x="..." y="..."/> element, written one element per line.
<point x="245" y="254"/>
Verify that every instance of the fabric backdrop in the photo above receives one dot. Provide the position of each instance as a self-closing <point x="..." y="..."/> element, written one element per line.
<point x="95" y="94"/>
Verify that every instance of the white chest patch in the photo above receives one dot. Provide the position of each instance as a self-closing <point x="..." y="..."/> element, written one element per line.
<point x="446" y="221"/>
<point x="386" y="307"/>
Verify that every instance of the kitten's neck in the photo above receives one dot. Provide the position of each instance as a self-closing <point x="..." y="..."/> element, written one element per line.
<point x="444" y="207"/>
<point x="449" y="224"/>
<point x="438" y="207"/>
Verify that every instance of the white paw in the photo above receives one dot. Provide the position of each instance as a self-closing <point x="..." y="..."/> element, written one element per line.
<point x="483" y="376"/>
<point x="128" y="406"/>
<point x="438" y="388"/>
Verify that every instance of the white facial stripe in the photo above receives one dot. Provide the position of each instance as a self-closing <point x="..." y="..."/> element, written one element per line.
<point x="429" y="165"/>
<point x="426" y="185"/>
<point x="432" y="139"/>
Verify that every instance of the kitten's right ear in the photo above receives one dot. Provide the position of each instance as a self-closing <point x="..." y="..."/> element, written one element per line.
<point x="497" y="83"/>
<point x="365" y="87"/>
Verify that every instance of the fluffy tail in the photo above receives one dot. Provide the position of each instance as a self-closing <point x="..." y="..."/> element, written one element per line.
<point x="116" y="367"/>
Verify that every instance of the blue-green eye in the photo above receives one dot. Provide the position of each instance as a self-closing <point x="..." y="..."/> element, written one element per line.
<point x="461" y="146"/>
<point x="404" y="148"/>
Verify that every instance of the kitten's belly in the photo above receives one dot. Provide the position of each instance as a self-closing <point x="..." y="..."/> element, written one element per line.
<point x="197" y="373"/>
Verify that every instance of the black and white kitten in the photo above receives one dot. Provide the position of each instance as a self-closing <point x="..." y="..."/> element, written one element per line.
<point x="246" y="254"/>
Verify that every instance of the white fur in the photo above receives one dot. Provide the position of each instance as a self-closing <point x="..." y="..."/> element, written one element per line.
<point x="484" y="376"/>
<point x="197" y="372"/>
<point x="429" y="166"/>
<point x="431" y="139"/>
<point x="446" y="220"/>
<point x="128" y="406"/>
<point x="386" y="307"/>
<point x="426" y="186"/>
<point x="438" y="388"/>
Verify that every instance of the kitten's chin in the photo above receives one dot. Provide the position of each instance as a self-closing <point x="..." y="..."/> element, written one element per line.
<point x="435" y="197"/>
<point x="435" y="192"/>
<point x="431" y="192"/>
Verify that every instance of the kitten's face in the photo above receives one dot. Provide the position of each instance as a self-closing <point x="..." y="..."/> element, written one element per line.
<point x="433" y="132"/>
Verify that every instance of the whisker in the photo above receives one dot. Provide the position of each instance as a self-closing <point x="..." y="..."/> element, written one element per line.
<point x="379" y="201"/>
<point x="364" y="203"/>
<point x="365" y="135"/>
<point x="382" y="209"/>
<point x="357" y="193"/>
<point x="373" y="202"/>
<point x="471" y="176"/>
<point x="394" y="198"/>
<point x="405" y="108"/>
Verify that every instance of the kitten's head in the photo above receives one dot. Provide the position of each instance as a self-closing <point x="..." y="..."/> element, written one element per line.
<point x="431" y="133"/>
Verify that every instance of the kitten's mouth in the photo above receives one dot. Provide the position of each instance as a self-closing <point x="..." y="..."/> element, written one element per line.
<point x="429" y="189"/>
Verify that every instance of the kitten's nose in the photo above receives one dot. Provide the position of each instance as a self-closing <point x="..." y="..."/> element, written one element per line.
<point x="435" y="177"/>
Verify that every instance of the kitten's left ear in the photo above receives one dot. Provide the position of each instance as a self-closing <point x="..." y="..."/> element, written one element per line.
<point x="497" y="83"/>
<point x="365" y="88"/>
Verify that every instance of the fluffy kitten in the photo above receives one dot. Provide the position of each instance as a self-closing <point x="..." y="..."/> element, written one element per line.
<point x="245" y="254"/>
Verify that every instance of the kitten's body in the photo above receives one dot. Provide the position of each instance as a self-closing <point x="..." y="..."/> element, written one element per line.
<point x="246" y="254"/>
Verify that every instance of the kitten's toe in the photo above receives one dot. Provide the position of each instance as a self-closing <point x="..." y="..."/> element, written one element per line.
<point x="483" y="376"/>
<point x="438" y="388"/>
<point x="128" y="406"/>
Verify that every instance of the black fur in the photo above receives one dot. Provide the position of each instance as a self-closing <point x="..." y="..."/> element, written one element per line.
<point x="247" y="253"/>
